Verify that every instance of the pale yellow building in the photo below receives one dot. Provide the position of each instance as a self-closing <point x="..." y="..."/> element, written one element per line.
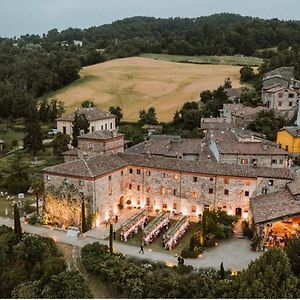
<point x="288" y="138"/>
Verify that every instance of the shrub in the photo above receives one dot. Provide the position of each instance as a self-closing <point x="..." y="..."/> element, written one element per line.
<point x="187" y="253"/>
<point x="14" y="143"/>
<point x="247" y="230"/>
<point x="33" y="219"/>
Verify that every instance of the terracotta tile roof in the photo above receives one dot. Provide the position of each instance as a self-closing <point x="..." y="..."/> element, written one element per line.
<point x="274" y="206"/>
<point x="102" y="164"/>
<point x="294" y="186"/>
<point x="228" y="143"/>
<point x="169" y="147"/>
<point x="91" y="113"/>
<point x="292" y="130"/>
<point x="250" y="111"/>
<point x="100" y="135"/>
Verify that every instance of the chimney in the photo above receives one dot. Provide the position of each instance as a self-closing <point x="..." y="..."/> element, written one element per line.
<point x="298" y="115"/>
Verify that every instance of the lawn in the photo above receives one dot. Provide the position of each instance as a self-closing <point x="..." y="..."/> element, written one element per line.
<point x="135" y="83"/>
<point x="215" y="60"/>
<point x="157" y="244"/>
<point x="8" y="204"/>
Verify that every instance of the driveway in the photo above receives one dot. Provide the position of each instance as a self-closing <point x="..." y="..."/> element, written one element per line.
<point x="234" y="253"/>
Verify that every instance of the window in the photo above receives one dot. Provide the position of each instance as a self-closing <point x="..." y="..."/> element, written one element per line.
<point x="194" y="208"/>
<point x="291" y="95"/>
<point x="147" y="201"/>
<point x="290" y="103"/>
<point x="110" y="125"/>
<point x="122" y="173"/>
<point x="271" y="182"/>
<point x="101" y="127"/>
<point x="176" y="176"/>
<point x="281" y="161"/>
<point x="130" y="171"/>
<point x="130" y="186"/>
<point x="174" y="205"/>
<point x="274" y="161"/>
<point x="244" y="161"/>
<point x="163" y="175"/>
<point x="48" y="178"/>
<point x="264" y="191"/>
<point x="105" y="126"/>
<point x="254" y="161"/>
<point x="211" y="179"/>
<point x="109" y="177"/>
<point x="162" y="190"/>
<point x="246" y="193"/>
<point x="195" y="179"/>
<point x="280" y="95"/>
<point x="148" y="189"/>
<point x="165" y="206"/>
<point x="286" y="148"/>
<point x="226" y="180"/>
<point x="211" y="191"/>
<point x="110" y="190"/>
<point x="64" y="130"/>
<point x="148" y="173"/>
<point x="174" y="192"/>
<point x="247" y="182"/>
<point x="138" y="187"/>
<point x="206" y="207"/>
<point x="224" y="207"/>
<point x="93" y="128"/>
<point x="81" y="182"/>
<point x="194" y="195"/>
<point x="66" y="181"/>
<point x="226" y="192"/>
<point x="91" y="146"/>
<point x="138" y="171"/>
<point x="279" y="103"/>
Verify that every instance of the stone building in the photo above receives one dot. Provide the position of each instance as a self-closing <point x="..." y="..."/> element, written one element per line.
<point x="95" y="143"/>
<point x="284" y="76"/>
<point x="98" y="119"/>
<point x="173" y="146"/>
<point x="166" y="184"/>
<point x="244" y="147"/>
<point x="281" y="99"/>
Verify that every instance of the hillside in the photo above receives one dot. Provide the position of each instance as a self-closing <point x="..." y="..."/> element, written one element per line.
<point x="135" y="83"/>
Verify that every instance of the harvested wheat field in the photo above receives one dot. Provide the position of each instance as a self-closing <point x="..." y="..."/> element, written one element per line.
<point x="136" y="83"/>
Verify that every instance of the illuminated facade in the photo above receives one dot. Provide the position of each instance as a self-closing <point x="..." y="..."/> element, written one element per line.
<point x="165" y="184"/>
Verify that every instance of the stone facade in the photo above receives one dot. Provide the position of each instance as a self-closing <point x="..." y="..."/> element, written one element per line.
<point x="163" y="189"/>
<point x="282" y="100"/>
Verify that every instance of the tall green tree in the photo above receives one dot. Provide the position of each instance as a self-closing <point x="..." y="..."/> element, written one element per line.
<point x="17" y="222"/>
<point x="111" y="238"/>
<point x="33" y="134"/>
<point x="247" y="74"/>
<point x="37" y="187"/>
<point x="292" y="250"/>
<point x="79" y="124"/>
<point x="84" y="227"/>
<point x="148" y="117"/>
<point x="117" y="112"/>
<point x="60" y="143"/>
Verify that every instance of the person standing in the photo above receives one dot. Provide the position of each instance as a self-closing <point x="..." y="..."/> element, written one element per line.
<point x="142" y="248"/>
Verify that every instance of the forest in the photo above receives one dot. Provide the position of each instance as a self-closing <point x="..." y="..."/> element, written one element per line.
<point x="33" y="65"/>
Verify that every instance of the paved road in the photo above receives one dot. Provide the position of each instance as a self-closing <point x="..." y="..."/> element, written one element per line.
<point x="234" y="253"/>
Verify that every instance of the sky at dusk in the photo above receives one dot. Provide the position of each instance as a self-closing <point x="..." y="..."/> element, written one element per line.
<point x="19" y="17"/>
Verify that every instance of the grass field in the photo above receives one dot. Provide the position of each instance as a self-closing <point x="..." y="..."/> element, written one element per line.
<point x="214" y="60"/>
<point x="157" y="244"/>
<point x="135" y="83"/>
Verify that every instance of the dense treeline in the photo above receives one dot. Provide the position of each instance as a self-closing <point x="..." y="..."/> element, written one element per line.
<point x="32" y="267"/>
<point x="33" y="65"/>
<point x="270" y="276"/>
<point x="220" y="34"/>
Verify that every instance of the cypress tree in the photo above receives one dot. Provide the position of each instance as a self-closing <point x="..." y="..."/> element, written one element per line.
<point x="111" y="233"/>
<point x="80" y="123"/>
<point x="83" y="219"/>
<point x="222" y="271"/>
<point x="203" y="228"/>
<point x="17" y="223"/>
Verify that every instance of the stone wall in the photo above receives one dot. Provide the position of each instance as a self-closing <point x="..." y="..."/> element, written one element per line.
<point x="113" y="145"/>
